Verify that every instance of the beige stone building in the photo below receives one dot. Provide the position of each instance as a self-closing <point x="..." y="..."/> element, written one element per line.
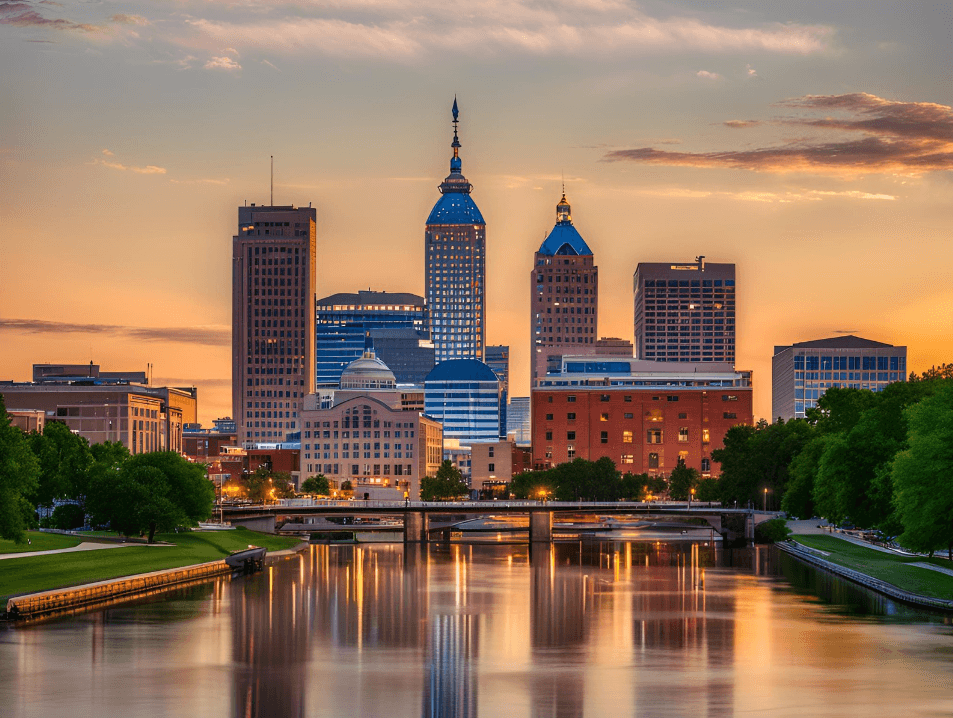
<point x="373" y="434"/>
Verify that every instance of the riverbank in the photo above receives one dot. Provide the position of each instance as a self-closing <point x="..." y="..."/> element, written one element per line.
<point x="912" y="579"/>
<point x="35" y="573"/>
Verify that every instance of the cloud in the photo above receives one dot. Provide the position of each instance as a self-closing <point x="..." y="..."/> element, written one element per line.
<point x="739" y="124"/>
<point x="147" y="170"/>
<point x="124" y="19"/>
<point x="265" y="62"/>
<point x="763" y="196"/>
<point x="214" y="335"/>
<point x="21" y="13"/>
<point x="410" y="31"/>
<point x="871" y="135"/>
<point x="222" y="63"/>
<point x="751" y="71"/>
<point x="706" y="75"/>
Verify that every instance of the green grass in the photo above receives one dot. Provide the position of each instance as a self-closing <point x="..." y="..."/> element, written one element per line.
<point x="892" y="568"/>
<point x="41" y="573"/>
<point x="39" y="542"/>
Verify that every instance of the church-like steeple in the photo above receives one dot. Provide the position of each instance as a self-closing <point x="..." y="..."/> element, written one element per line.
<point x="455" y="182"/>
<point x="563" y="211"/>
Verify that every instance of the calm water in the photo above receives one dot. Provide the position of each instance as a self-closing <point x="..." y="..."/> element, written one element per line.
<point x="591" y="629"/>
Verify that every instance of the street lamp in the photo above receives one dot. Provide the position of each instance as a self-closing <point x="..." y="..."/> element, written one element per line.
<point x="765" y="506"/>
<point x="691" y="496"/>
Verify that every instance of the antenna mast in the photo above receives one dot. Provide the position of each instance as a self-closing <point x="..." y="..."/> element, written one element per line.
<point x="272" y="180"/>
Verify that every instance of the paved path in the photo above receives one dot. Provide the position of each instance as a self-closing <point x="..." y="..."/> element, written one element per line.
<point x="947" y="571"/>
<point x="85" y="546"/>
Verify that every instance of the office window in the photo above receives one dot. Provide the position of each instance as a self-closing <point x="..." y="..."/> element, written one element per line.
<point x="603" y="417"/>
<point x="628" y="459"/>
<point x="653" y="436"/>
<point x="627" y="416"/>
<point x="604" y="397"/>
<point x="571" y="416"/>
<point x="571" y="451"/>
<point x="571" y="398"/>
<point x="549" y="417"/>
<point x="570" y="436"/>
<point x="626" y="437"/>
<point x="730" y="415"/>
<point x="706" y="465"/>
<point x="549" y="436"/>
<point x="706" y="436"/>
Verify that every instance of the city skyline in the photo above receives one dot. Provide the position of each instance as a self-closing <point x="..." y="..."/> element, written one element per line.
<point x="805" y="144"/>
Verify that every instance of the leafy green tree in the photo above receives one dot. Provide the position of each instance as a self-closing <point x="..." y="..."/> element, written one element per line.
<point x="447" y="484"/>
<point x="19" y="478"/>
<point x="65" y="460"/>
<point x="921" y="475"/>
<point x="798" y="499"/>
<point x="657" y="485"/>
<point x="263" y="484"/>
<point x="708" y="490"/>
<point x="67" y="517"/>
<point x="944" y="371"/>
<point x="682" y="481"/>
<point x="633" y="486"/>
<point x="346" y="485"/>
<point x="771" y="531"/>
<point x="151" y="492"/>
<point x="317" y="485"/>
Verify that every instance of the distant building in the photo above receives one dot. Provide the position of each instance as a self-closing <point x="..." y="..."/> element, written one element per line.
<point x="273" y="283"/>
<point x="465" y="396"/>
<point x="564" y="301"/>
<point x="498" y="359"/>
<point x="802" y="372"/>
<point x="27" y="420"/>
<point x="685" y="312"/>
<point x="373" y="434"/>
<point x="344" y="321"/>
<point x="108" y="407"/>
<point x="205" y="445"/>
<point x="408" y="352"/>
<point x="643" y="415"/>
<point x="613" y="346"/>
<point x="518" y="424"/>
<point x="455" y="266"/>
<point x="493" y="465"/>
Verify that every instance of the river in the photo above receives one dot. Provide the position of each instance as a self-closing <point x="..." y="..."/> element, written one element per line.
<point x="596" y="628"/>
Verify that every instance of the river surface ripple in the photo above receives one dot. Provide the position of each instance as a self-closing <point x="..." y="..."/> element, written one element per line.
<point x="596" y="628"/>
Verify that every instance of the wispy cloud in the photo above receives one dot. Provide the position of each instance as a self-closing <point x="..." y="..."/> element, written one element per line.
<point x="23" y="13"/>
<point x="147" y="170"/>
<point x="222" y="63"/>
<point x="739" y="124"/>
<point x="124" y="19"/>
<point x="903" y="138"/>
<point x="411" y="30"/>
<point x="213" y="335"/>
<point x="706" y="75"/>
<point x="764" y="196"/>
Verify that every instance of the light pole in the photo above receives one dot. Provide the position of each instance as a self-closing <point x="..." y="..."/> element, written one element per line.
<point x="691" y="497"/>
<point x="765" y="506"/>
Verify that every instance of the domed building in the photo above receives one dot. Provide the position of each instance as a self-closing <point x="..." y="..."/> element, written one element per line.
<point x="368" y="374"/>
<point x="564" y="301"/>
<point x="370" y="432"/>
<point x="455" y="266"/>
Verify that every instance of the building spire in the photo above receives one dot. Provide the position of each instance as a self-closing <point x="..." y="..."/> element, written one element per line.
<point x="456" y="182"/>
<point x="563" y="210"/>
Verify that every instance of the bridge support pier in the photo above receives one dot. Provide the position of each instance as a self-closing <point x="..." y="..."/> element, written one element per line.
<point x="416" y="527"/>
<point x="540" y="527"/>
<point x="264" y="524"/>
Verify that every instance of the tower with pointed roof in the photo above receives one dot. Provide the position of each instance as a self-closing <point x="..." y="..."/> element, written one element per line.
<point x="564" y="301"/>
<point x="455" y="266"/>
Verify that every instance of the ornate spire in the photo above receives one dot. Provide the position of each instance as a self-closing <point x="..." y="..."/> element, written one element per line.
<point x="456" y="182"/>
<point x="563" y="210"/>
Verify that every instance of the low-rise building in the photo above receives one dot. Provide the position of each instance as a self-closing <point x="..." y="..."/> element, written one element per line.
<point x="644" y="415"/>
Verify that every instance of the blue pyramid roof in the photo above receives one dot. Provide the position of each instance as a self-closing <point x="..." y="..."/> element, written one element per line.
<point x="564" y="239"/>
<point x="455" y="208"/>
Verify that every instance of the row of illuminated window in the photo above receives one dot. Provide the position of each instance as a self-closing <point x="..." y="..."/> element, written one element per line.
<point x="801" y="376"/>
<point x="838" y="363"/>
<point x="653" y="436"/>
<point x="335" y="469"/>
<point x="689" y="283"/>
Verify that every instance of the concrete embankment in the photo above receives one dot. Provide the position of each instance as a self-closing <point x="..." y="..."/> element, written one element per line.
<point x="66" y="599"/>
<point x="815" y="558"/>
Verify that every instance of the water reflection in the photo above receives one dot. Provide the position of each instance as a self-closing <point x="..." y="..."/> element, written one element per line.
<point x="594" y="628"/>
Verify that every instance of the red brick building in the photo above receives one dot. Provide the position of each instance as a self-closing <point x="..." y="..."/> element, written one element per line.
<point x="645" y="419"/>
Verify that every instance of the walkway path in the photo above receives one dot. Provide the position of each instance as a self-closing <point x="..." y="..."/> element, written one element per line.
<point x="85" y="546"/>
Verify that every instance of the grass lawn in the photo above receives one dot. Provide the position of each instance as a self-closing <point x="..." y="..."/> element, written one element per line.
<point x="40" y="573"/>
<point x="888" y="567"/>
<point x="39" y="541"/>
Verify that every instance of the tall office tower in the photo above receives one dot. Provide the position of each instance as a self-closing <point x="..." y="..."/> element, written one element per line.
<point x="802" y="372"/>
<point x="498" y="359"/>
<point x="685" y="312"/>
<point x="273" y="267"/>
<point x="343" y="322"/>
<point x="455" y="261"/>
<point x="565" y="296"/>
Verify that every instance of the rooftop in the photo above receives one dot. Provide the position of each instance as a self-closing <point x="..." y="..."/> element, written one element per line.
<point x="461" y="370"/>
<point x="371" y="298"/>
<point x="848" y="341"/>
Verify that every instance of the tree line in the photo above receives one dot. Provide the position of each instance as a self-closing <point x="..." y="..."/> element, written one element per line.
<point x="880" y="460"/>
<point x="134" y="495"/>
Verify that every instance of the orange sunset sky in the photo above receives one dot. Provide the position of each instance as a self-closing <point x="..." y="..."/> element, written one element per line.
<point x="809" y="143"/>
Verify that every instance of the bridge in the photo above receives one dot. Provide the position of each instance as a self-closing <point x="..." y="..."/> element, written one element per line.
<point x="731" y="524"/>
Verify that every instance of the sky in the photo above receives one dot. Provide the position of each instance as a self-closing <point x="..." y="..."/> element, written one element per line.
<point x="809" y="143"/>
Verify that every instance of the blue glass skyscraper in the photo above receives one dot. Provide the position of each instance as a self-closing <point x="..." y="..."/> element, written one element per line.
<point x="455" y="261"/>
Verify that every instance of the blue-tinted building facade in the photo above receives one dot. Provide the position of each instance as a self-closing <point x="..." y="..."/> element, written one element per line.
<point x="344" y="321"/>
<point x="466" y="397"/>
<point x="802" y="372"/>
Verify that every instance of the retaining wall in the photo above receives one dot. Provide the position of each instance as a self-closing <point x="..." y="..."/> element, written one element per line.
<point x="811" y="556"/>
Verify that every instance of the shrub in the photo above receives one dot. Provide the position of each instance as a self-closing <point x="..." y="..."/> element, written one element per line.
<point x="771" y="531"/>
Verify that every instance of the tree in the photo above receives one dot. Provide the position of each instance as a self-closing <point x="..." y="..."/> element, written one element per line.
<point x="633" y="486"/>
<point x="263" y="484"/>
<point x="771" y="531"/>
<point x="19" y="478"/>
<point x="447" y="484"/>
<point x="682" y="481"/>
<point x="65" y="460"/>
<point x="317" y="485"/>
<point x="921" y="475"/>
<point x="152" y="492"/>
<point x="708" y="490"/>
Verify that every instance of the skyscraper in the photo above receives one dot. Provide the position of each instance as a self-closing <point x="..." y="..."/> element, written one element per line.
<point x="455" y="261"/>
<point x="273" y="262"/>
<point x="343" y="322"/>
<point x="685" y="312"/>
<point x="565" y="296"/>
